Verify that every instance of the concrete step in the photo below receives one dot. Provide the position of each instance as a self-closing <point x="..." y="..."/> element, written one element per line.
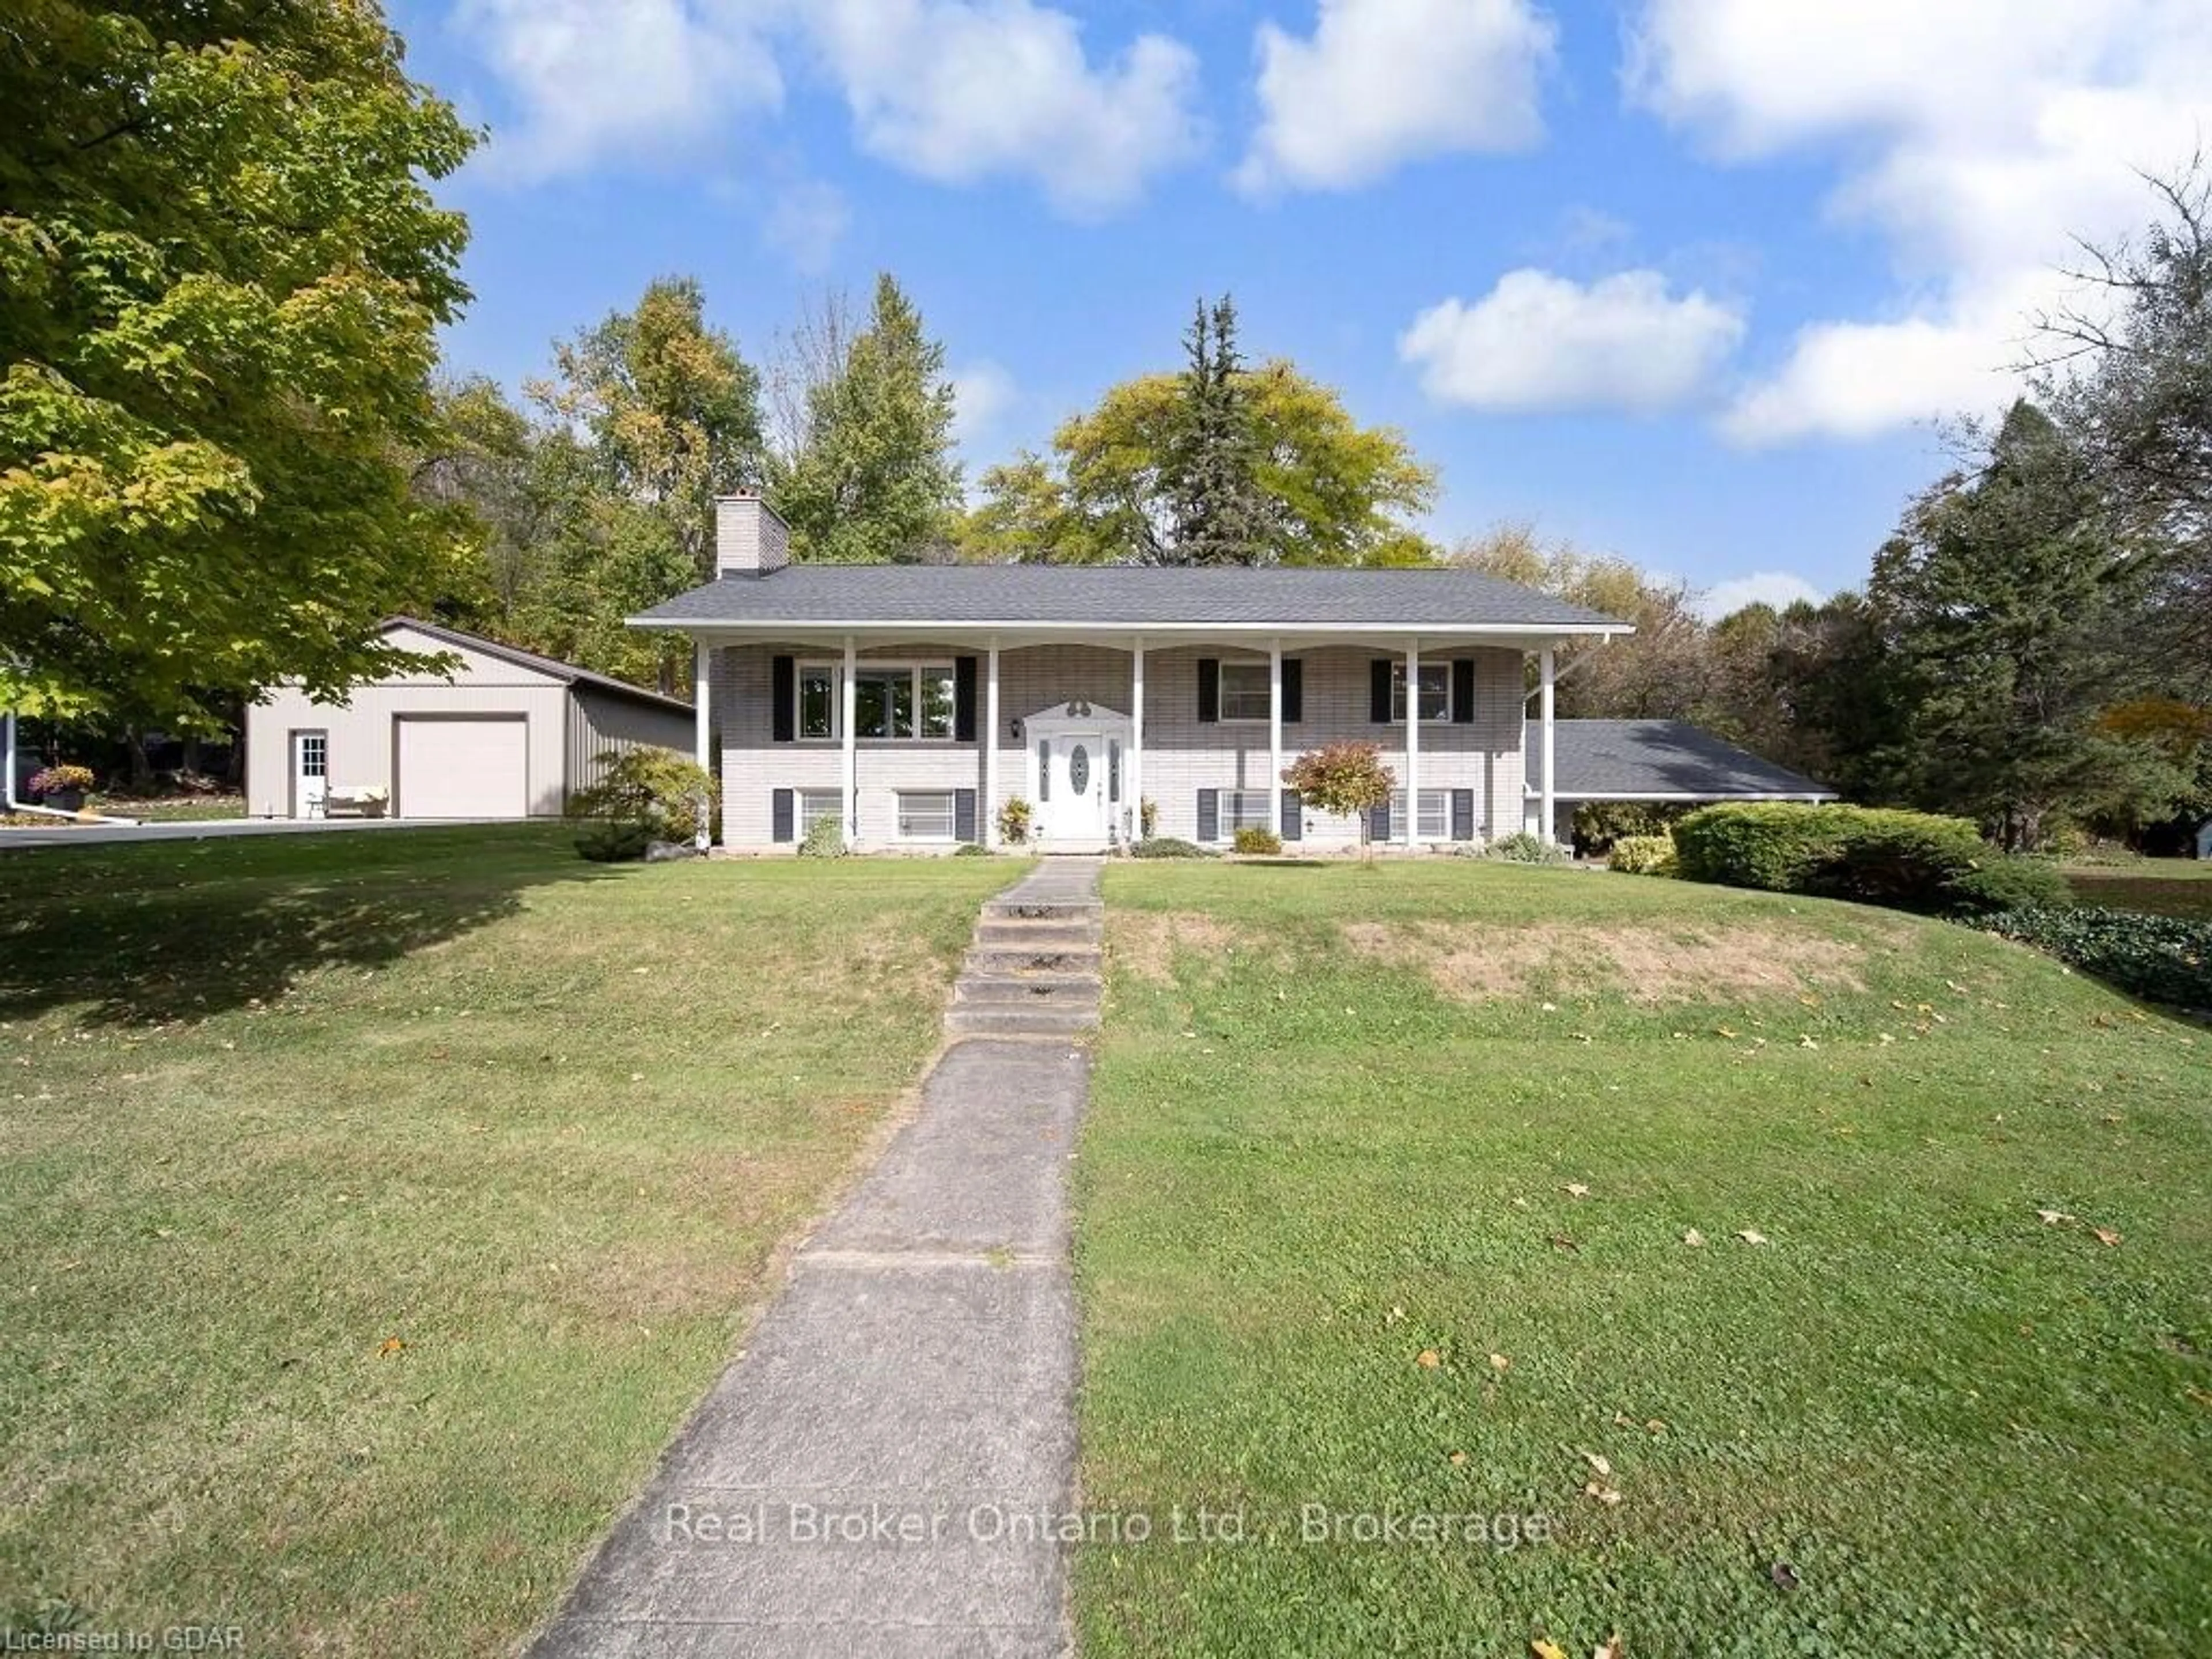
<point x="1043" y="909"/>
<point x="1034" y="935"/>
<point x="990" y="1020"/>
<point x="992" y="960"/>
<point x="1028" y="990"/>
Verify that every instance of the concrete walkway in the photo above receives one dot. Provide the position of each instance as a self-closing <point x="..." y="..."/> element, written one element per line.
<point x="871" y="1476"/>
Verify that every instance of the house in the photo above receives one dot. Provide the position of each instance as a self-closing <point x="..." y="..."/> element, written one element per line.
<point x="509" y="735"/>
<point x="1667" y="763"/>
<point x="909" y="703"/>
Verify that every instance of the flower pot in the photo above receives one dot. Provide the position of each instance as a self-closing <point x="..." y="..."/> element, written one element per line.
<point x="63" y="800"/>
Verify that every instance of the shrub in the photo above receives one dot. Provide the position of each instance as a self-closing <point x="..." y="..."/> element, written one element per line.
<point x="1643" y="855"/>
<point x="1522" y="847"/>
<point x="1256" y="839"/>
<point x="670" y="794"/>
<point x="2004" y="882"/>
<point x="1014" y="822"/>
<point x="1598" y="824"/>
<point x="1148" y="816"/>
<point x="59" y="780"/>
<point x="1168" y="846"/>
<point x="824" y="839"/>
<point x="614" y="840"/>
<point x="1908" y="861"/>
<point x="971" y="849"/>
<point x="1348" y="779"/>
<point x="2159" y="958"/>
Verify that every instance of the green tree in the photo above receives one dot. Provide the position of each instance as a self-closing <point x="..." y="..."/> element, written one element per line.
<point x="873" y="479"/>
<point x="1210" y="470"/>
<point x="670" y="414"/>
<point x="1336" y="493"/>
<point x="2007" y="594"/>
<point x="224" y="272"/>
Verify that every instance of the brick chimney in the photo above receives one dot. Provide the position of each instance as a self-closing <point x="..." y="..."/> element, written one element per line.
<point x="751" y="537"/>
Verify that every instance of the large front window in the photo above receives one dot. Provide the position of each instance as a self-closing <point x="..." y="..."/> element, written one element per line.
<point x="1244" y="691"/>
<point x="1435" y="691"/>
<point x="924" y="816"/>
<point x="891" y="701"/>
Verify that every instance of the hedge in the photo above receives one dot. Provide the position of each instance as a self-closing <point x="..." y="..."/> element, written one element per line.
<point x="1874" y="855"/>
<point x="1642" y="855"/>
<point x="2159" y="958"/>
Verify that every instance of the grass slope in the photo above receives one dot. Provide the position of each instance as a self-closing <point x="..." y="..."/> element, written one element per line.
<point x="273" y="1106"/>
<point x="1337" y="1113"/>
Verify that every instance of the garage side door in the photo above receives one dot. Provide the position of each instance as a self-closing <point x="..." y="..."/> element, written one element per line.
<point x="473" y="767"/>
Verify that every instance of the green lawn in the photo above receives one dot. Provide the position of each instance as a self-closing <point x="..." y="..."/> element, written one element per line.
<point x="1337" y="1114"/>
<point x="2165" y="887"/>
<point x="374" y="1207"/>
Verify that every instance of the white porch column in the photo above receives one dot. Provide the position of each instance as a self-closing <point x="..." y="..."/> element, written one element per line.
<point x="1136" y="781"/>
<point x="1549" y="829"/>
<point x="851" y="781"/>
<point x="991" y="747"/>
<point x="702" y="713"/>
<point x="1275" y="737"/>
<point x="1412" y="742"/>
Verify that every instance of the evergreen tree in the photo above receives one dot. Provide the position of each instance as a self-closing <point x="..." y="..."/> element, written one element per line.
<point x="2006" y="600"/>
<point x="1219" y="513"/>
<point x="875" y="480"/>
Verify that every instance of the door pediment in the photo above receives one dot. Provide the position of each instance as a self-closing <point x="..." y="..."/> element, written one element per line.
<point x="1075" y="714"/>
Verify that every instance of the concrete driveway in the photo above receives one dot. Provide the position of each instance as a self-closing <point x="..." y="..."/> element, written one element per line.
<point x="95" y="834"/>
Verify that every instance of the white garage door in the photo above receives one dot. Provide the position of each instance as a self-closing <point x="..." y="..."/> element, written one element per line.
<point x="464" y="768"/>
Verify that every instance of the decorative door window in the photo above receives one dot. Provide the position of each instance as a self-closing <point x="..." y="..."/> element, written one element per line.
<point x="1079" y="769"/>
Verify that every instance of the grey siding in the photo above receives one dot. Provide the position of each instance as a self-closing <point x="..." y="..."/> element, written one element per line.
<point x="1182" y="755"/>
<point x="603" y="723"/>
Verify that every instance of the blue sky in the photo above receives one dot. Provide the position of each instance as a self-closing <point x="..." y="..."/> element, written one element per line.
<point x="1684" y="280"/>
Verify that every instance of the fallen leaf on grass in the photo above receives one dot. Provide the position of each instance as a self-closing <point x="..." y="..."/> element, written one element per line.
<point x="1428" y="1360"/>
<point x="1458" y="1460"/>
<point x="1612" y="1647"/>
<point x="2054" y="1218"/>
<point x="1561" y="1242"/>
<point x="1604" y="1494"/>
<point x="1752" y="1236"/>
<point x="1544" y="1650"/>
<point x="1395" y="1314"/>
<point x="1597" y="1461"/>
<point x="1694" y="1239"/>
<point x="1576" y="1190"/>
<point x="2106" y="1234"/>
<point x="1498" y="1362"/>
<point x="1785" y="1576"/>
<point x="390" y="1346"/>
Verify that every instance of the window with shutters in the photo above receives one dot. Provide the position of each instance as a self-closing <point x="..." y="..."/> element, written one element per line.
<point x="1435" y="814"/>
<point x="1245" y="809"/>
<point x="1244" y="691"/>
<point x="817" y="805"/>
<point x="925" y="815"/>
<point x="891" y="701"/>
<point x="1435" y="693"/>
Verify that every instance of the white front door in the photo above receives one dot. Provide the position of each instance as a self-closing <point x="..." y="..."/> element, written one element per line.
<point x="1072" y="783"/>
<point x="311" y="773"/>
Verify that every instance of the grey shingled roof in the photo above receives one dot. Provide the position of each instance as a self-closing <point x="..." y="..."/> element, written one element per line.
<point x="567" y="672"/>
<point x="1123" y="595"/>
<point x="1602" y="760"/>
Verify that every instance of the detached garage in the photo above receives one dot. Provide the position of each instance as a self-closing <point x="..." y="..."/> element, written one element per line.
<point x="510" y="735"/>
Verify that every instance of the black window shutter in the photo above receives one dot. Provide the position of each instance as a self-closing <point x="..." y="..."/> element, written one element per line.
<point x="781" y="812"/>
<point x="783" y="698"/>
<point x="963" y="699"/>
<point x="1209" y="688"/>
<point x="1209" y="815"/>
<point x="1462" y="690"/>
<point x="1294" y="817"/>
<point x="964" y="812"/>
<point x="1378" y="691"/>
<point x="1294" y="692"/>
<point x="1463" y="815"/>
<point x="1378" y="821"/>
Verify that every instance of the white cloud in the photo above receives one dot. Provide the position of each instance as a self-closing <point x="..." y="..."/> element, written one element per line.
<point x="1779" y="588"/>
<point x="1541" y="342"/>
<point x="1980" y="135"/>
<point x="963" y="90"/>
<point x="639" y="80"/>
<point x="805" y="222"/>
<point x="983" y="394"/>
<point x="1380" y="82"/>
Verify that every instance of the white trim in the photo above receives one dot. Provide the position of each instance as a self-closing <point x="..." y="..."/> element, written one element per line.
<point x="793" y="628"/>
<point x="1274" y="736"/>
<point x="1414" y="724"/>
<point x="1532" y="792"/>
<point x="1133" y="785"/>
<point x="702" y="715"/>
<point x="849" y="771"/>
<point x="1549" y="830"/>
<point x="989" y="827"/>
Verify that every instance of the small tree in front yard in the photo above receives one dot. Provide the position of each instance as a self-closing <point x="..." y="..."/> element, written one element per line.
<point x="1343" y="778"/>
<point x="671" y="795"/>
